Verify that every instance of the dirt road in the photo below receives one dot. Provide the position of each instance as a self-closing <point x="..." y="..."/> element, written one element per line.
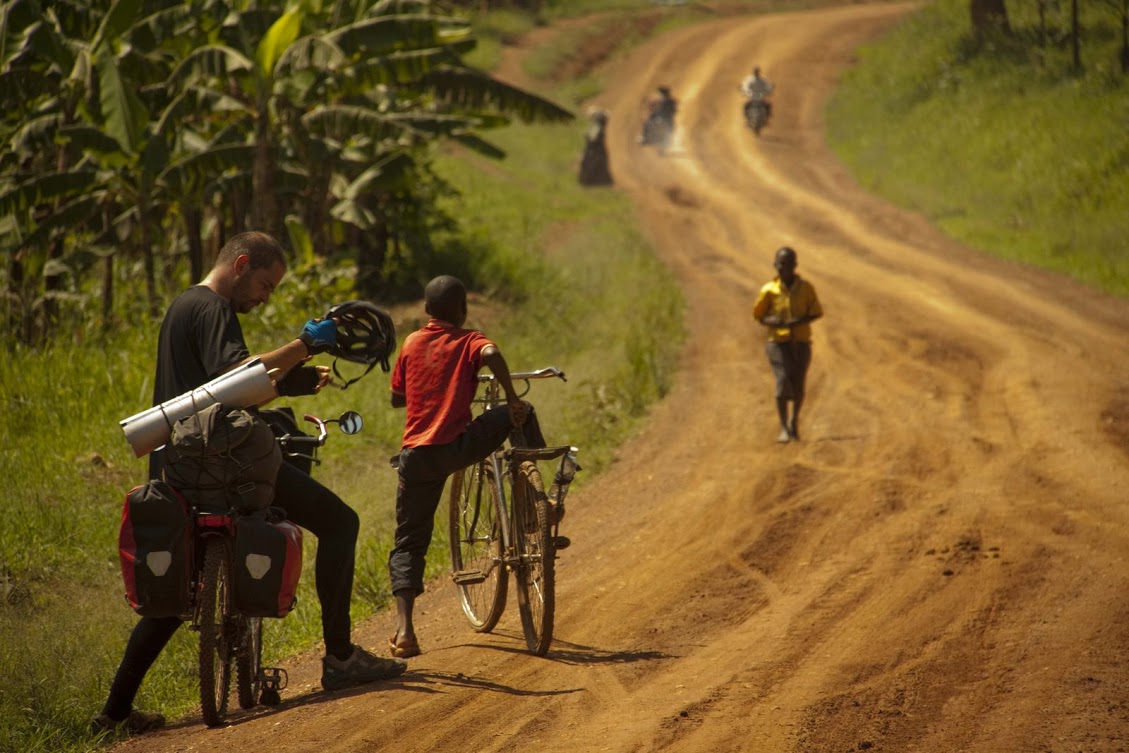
<point x="939" y="565"/>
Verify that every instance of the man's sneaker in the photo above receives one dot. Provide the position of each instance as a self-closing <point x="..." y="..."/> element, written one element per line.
<point x="137" y="723"/>
<point x="359" y="668"/>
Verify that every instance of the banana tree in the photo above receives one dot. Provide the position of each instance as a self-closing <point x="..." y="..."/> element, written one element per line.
<point x="88" y="120"/>
<point x="327" y="94"/>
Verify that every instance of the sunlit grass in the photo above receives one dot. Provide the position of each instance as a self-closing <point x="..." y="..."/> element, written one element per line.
<point x="1005" y="147"/>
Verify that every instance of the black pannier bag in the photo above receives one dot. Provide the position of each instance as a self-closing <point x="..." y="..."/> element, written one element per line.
<point x="266" y="564"/>
<point x="155" y="549"/>
<point x="223" y="460"/>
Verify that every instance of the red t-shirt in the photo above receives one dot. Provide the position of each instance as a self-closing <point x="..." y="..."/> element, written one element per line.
<point x="436" y="372"/>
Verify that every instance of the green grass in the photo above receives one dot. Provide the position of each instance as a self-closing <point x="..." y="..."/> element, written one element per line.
<point x="1001" y="144"/>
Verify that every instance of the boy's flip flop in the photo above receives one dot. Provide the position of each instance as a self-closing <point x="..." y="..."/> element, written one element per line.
<point x="403" y="649"/>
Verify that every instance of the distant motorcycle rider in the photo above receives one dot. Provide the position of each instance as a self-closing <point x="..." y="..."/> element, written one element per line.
<point x="756" y="89"/>
<point x="665" y="106"/>
<point x="659" y="125"/>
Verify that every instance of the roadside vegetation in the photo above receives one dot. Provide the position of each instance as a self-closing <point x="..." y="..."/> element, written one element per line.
<point x="1001" y="139"/>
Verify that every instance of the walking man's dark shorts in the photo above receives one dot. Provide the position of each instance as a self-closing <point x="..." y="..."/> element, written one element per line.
<point x="790" y="361"/>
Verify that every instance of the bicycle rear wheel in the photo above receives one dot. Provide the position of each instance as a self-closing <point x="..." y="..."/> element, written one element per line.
<point x="249" y="660"/>
<point x="216" y="632"/>
<point x="476" y="545"/>
<point x="537" y="555"/>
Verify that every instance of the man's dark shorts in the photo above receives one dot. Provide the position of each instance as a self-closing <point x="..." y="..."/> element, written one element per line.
<point x="790" y="361"/>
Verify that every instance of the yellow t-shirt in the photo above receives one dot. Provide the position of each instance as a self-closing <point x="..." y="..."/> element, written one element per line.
<point x="788" y="303"/>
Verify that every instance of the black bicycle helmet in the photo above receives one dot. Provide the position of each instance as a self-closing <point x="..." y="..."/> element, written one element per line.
<point x="365" y="334"/>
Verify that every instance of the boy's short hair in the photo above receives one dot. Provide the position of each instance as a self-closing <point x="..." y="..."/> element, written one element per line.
<point x="444" y="298"/>
<point x="784" y="255"/>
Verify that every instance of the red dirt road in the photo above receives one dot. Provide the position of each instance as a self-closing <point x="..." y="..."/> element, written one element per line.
<point x="940" y="565"/>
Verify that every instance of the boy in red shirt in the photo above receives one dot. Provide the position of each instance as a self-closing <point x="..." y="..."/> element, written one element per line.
<point x="435" y="378"/>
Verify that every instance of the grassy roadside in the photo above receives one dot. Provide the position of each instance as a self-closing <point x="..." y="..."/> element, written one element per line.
<point x="1002" y="145"/>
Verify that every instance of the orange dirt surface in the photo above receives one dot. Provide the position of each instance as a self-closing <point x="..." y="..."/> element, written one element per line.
<point x="939" y="565"/>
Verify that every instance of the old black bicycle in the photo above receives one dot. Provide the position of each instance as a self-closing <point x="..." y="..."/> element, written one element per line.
<point x="503" y="520"/>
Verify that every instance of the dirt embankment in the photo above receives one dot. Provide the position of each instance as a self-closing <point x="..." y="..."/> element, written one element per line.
<point x="939" y="565"/>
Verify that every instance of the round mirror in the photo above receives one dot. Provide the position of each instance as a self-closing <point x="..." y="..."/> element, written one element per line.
<point x="350" y="422"/>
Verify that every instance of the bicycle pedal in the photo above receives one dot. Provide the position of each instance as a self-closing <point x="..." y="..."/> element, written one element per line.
<point x="273" y="678"/>
<point x="469" y="577"/>
<point x="561" y="542"/>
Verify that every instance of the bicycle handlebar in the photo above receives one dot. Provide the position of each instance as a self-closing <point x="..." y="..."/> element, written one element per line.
<point x="545" y="373"/>
<point x="289" y="444"/>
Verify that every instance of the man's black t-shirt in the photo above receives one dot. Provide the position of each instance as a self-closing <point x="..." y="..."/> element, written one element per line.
<point x="200" y="339"/>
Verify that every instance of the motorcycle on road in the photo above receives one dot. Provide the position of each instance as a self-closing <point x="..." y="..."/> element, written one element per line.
<point x="757" y="111"/>
<point x="658" y="128"/>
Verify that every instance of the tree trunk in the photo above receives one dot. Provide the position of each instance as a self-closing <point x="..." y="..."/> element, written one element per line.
<point x="52" y="285"/>
<point x="317" y="212"/>
<point x="193" y="222"/>
<point x="218" y="237"/>
<point x="52" y="277"/>
<point x="1075" y="42"/>
<point x="16" y="310"/>
<point x="146" y="243"/>
<point x="1125" y="37"/>
<point x="1043" y="23"/>
<point x="989" y="16"/>
<point x="264" y="204"/>
<point x="370" y="260"/>
<point x="107" y="291"/>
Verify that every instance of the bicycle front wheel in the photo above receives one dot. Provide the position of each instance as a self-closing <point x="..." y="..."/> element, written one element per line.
<point x="476" y="545"/>
<point x="216" y="629"/>
<point x="249" y="660"/>
<point x="536" y="558"/>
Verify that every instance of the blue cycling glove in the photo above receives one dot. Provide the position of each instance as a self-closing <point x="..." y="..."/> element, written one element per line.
<point x="319" y="335"/>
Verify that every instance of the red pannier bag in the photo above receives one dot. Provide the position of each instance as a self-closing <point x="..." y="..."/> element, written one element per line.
<point x="155" y="549"/>
<point x="266" y="565"/>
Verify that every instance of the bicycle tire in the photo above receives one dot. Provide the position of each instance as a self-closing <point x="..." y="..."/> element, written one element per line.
<point x="475" y="518"/>
<point x="536" y="569"/>
<point x="215" y="648"/>
<point x="249" y="660"/>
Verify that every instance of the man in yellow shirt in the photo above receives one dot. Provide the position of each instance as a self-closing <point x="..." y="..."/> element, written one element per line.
<point x="787" y="306"/>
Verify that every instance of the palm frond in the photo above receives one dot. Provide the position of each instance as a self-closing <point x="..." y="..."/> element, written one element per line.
<point x="387" y="34"/>
<point x="210" y="61"/>
<point x="467" y="88"/>
<point x="46" y="188"/>
<point x="479" y="145"/>
<point x="193" y="173"/>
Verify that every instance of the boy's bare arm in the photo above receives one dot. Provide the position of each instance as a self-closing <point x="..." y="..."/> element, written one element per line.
<point x="492" y="358"/>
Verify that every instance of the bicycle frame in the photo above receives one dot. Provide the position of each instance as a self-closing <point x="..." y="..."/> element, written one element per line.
<point x="505" y="461"/>
<point x="493" y="538"/>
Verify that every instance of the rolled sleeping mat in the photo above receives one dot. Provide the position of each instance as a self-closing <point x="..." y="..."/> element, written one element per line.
<point x="244" y="386"/>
